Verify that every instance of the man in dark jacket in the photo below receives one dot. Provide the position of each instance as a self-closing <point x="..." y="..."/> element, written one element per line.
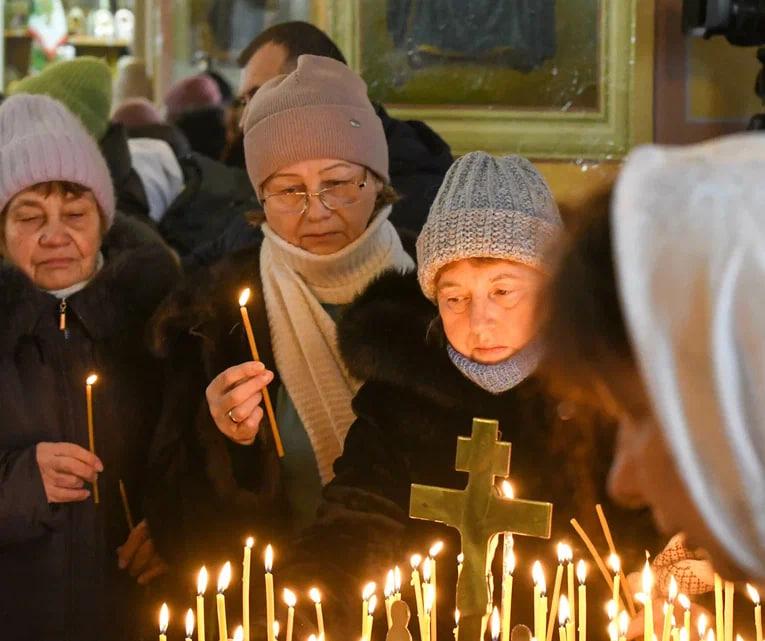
<point x="419" y="157"/>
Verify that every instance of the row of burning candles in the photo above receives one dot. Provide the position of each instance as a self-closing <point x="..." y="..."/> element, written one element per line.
<point x="424" y="584"/>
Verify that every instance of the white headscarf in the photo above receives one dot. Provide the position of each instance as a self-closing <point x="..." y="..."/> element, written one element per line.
<point x="689" y="237"/>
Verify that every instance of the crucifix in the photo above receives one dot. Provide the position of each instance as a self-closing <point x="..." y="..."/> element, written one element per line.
<point x="479" y="515"/>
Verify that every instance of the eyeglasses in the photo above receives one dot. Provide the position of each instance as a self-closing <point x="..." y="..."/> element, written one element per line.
<point x="341" y="194"/>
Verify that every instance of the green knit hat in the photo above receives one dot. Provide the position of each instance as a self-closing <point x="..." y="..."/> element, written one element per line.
<point x="83" y="85"/>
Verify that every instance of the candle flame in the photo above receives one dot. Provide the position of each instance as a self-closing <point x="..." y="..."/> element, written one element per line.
<point x="615" y="563"/>
<point x="702" y="624"/>
<point x="754" y="595"/>
<point x="624" y="622"/>
<point x="312" y="637"/>
<point x="396" y="580"/>
<point x="564" y="610"/>
<point x="495" y="624"/>
<point x="189" y="623"/>
<point x="315" y="595"/>
<point x="91" y="380"/>
<point x="435" y="549"/>
<point x="611" y="609"/>
<point x="507" y="490"/>
<point x="684" y="636"/>
<point x="684" y="601"/>
<point x="164" y="618"/>
<point x="249" y="542"/>
<point x="613" y="632"/>
<point x="368" y="591"/>
<point x="581" y="572"/>
<point x="460" y="558"/>
<point x="372" y="604"/>
<point x="672" y="589"/>
<point x="224" y="578"/>
<point x="390" y="586"/>
<point x="456" y="616"/>
<point x="239" y="634"/>
<point x="710" y="635"/>
<point x="244" y="297"/>
<point x="415" y="561"/>
<point x="202" y="581"/>
<point x="561" y="548"/>
<point x="289" y="598"/>
<point x="509" y="562"/>
<point x="647" y="580"/>
<point x="429" y="597"/>
<point x="426" y="570"/>
<point x="739" y="637"/>
<point x="276" y="629"/>
<point x="269" y="558"/>
<point x="538" y="575"/>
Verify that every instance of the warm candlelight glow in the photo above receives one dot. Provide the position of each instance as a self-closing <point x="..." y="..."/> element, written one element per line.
<point x="561" y="548"/>
<point x="647" y="580"/>
<point x="739" y="637"/>
<point x="202" y="581"/>
<point x="269" y="558"/>
<point x="164" y="618"/>
<point x="495" y="624"/>
<point x="415" y="561"/>
<point x="189" y="623"/>
<point x="509" y="562"/>
<point x="581" y="572"/>
<point x="224" y="578"/>
<point x="390" y="586"/>
<point x="428" y="597"/>
<point x="456" y="616"/>
<point x="239" y="634"/>
<point x="289" y="598"/>
<point x="624" y="623"/>
<point x="244" y="297"/>
<point x="754" y="595"/>
<point x="672" y="589"/>
<point x="435" y="549"/>
<point x="684" y="601"/>
<point x="91" y="380"/>
<point x="615" y="563"/>
<point x="702" y="624"/>
<point x="564" y="610"/>
<point x="249" y="542"/>
<point x="397" y="580"/>
<point x="276" y="628"/>
<point x="611" y="609"/>
<point x="372" y="604"/>
<point x="507" y="490"/>
<point x="460" y="558"/>
<point x="315" y="595"/>
<point x="539" y="577"/>
<point x="368" y="591"/>
<point x="426" y="570"/>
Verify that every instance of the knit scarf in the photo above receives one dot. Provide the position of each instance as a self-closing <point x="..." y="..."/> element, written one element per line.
<point x="499" y="377"/>
<point x="295" y="285"/>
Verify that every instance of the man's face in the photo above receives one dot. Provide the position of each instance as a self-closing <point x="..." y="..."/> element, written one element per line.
<point x="267" y="62"/>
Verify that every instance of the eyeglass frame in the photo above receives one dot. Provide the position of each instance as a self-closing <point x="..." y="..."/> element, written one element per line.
<point x="318" y="194"/>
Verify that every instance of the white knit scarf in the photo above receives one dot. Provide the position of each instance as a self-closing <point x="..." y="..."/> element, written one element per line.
<point x="303" y="335"/>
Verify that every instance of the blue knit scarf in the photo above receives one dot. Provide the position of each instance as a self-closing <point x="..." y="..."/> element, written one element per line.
<point x="499" y="377"/>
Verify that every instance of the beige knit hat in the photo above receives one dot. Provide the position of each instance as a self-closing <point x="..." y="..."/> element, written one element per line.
<point x="320" y="110"/>
<point x="487" y="207"/>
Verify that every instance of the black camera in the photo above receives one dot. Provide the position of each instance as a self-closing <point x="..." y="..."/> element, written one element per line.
<point x="742" y="22"/>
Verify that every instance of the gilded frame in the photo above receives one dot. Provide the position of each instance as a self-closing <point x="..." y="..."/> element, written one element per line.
<point x="624" y="117"/>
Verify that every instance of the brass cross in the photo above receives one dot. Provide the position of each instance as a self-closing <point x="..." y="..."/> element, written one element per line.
<point x="479" y="515"/>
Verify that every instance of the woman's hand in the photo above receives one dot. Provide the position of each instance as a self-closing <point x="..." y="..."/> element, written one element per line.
<point x="138" y="556"/>
<point x="234" y="399"/>
<point x="65" y="468"/>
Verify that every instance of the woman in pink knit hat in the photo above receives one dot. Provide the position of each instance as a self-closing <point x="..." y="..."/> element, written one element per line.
<point x="77" y="292"/>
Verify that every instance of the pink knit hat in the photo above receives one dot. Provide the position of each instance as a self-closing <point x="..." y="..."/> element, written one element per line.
<point x="42" y="141"/>
<point x="137" y="112"/>
<point x="189" y="94"/>
<point x="320" y="110"/>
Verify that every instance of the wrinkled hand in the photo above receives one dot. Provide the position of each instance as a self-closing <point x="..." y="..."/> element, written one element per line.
<point x="635" y="630"/>
<point x="65" y="468"/>
<point x="138" y="557"/>
<point x="234" y="399"/>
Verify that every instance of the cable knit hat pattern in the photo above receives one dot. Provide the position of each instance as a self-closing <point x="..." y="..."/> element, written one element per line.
<point x="487" y="207"/>
<point x="84" y="85"/>
<point x="41" y="141"/>
<point x="320" y="110"/>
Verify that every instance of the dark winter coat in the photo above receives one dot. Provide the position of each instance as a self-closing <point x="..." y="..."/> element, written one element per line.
<point x="128" y="188"/>
<point x="419" y="159"/>
<point x="60" y="580"/>
<point x="412" y="408"/>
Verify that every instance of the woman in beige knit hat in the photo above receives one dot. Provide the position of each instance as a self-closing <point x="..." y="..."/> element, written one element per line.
<point x="318" y="160"/>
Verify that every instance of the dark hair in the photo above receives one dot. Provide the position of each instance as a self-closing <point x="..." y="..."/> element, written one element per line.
<point x="580" y="312"/>
<point x="226" y="92"/>
<point x="298" y="38"/>
<point x="205" y="129"/>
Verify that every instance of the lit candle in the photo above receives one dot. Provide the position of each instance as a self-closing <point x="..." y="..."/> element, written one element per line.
<point x="540" y="601"/>
<point x="291" y="601"/>
<point x="581" y="575"/>
<point x="316" y="598"/>
<point x="417" y="585"/>
<point x="397" y="583"/>
<point x="164" y="619"/>
<point x="611" y="612"/>
<point x="434" y="551"/>
<point x="685" y="603"/>
<point x="624" y="624"/>
<point x="702" y="625"/>
<point x="269" y="566"/>
<point x="754" y="595"/>
<point x="275" y="629"/>
<point x="456" y="624"/>
<point x="89" y="382"/>
<point x="647" y="581"/>
<point x="239" y="634"/>
<point x="201" y="587"/>
<point x="224" y="578"/>
<point x="371" y="616"/>
<point x="507" y="592"/>
<point x="570" y="585"/>
<point x="563" y="618"/>
<point x="460" y="563"/>
<point x="389" y="591"/>
<point x="729" y="611"/>
<point x="243" y="298"/>
<point x="719" y="609"/>
<point x="366" y="595"/>
<point x="428" y="597"/>
<point x="556" y="590"/>
<point x="495" y="625"/>
<point x="615" y="564"/>
<point x="246" y="587"/>
<point x="669" y="608"/>
<point x="189" y="624"/>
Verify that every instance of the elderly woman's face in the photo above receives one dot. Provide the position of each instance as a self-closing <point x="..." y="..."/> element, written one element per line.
<point x="326" y="224"/>
<point x="487" y="307"/>
<point x="52" y="236"/>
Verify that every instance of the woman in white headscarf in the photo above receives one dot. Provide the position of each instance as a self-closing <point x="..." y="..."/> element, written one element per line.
<point x="669" y="330"/>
